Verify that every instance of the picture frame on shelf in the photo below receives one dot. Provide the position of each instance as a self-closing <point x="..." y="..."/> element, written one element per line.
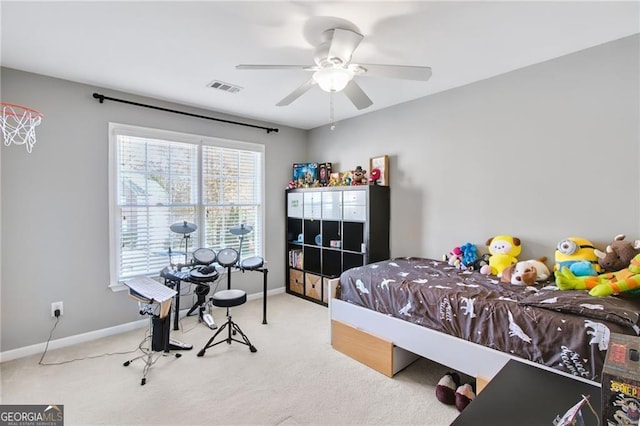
<point x="381" y="163"/>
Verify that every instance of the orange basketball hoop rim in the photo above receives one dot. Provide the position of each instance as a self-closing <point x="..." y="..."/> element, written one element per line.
<point x="13" y="109"/>
<point x="18" y="124"/>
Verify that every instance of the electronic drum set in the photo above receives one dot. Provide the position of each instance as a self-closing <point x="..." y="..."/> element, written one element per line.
<point x="202" y="270"/>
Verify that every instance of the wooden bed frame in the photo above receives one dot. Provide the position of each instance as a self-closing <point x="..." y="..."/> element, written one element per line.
<point x="406" y="342"/>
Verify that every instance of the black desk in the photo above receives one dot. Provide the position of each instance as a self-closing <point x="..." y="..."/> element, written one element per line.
<point x="521" y="394"/>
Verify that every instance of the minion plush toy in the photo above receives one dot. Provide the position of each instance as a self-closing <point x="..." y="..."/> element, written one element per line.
<point x="578" y="255"/>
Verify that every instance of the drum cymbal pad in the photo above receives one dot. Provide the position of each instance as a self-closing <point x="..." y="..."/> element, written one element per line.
<point x="241" y="229"/>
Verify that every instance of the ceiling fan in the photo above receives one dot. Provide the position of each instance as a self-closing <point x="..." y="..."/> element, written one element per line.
<point x="334" y="72"/>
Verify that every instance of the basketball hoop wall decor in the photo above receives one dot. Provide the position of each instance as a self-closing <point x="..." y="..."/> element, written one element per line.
<point x="19" y="124"/>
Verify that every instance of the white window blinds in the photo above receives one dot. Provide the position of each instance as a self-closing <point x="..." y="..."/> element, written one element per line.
<point x="159" y="178"/>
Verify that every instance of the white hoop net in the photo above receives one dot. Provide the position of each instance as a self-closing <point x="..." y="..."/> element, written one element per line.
<point x="19" y="125"/>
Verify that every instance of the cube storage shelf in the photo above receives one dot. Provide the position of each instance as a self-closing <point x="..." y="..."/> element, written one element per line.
<point x="330" y="230"/>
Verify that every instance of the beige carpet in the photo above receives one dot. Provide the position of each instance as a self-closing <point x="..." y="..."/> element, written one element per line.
<point x="295" y="378"/>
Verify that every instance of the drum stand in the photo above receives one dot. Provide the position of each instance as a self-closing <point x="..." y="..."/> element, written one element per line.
<point x="242" y="230"/>
<point x="149" y="356"/>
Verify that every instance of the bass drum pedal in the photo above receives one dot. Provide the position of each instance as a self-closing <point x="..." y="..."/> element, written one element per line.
<point x="208" y="319"/>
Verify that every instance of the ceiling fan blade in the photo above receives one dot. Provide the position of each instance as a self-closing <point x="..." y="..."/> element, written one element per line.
<point x="357" y="95"/>
<point x="297" y="93"/>
<point x="343" y="43"/>
<point x="275" y="67"/>
<point x="397" y="71"/>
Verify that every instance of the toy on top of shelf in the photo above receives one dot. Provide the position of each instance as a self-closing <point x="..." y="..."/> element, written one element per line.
<point x="347" y="177"/>
<point x="324" y="172"/>
<point x="335" y="179"/>
<point x="305" y="175"/>
<point x="359" y="176"/>
<point x="375" y="176"/>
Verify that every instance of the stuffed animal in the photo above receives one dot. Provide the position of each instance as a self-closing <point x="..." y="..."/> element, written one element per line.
<point x="335" y="179"/>
<point x="375" y="176"/>
<point x="504" y="250"/>
<point x="359" y="176"/>
<point x="577" y="254"/>
<point x="482" y="260"/>
<point x="625" y="280"/>
<point x="526" y="272"/>
<point x="618" y="254"/>
<point x="469" y="255"/>
<point x="454" y="257"/>
<point x="347" y="177"/>
<point x="462" y="257"/>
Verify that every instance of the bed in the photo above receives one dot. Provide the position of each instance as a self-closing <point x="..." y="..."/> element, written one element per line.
<point x="472" y="322"/>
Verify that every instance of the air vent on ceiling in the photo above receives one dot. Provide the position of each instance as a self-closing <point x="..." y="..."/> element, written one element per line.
<point x="225" y="87"/>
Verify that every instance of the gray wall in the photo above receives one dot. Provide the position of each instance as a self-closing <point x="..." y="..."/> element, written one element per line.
<point x="55" y="224"/>
<point x="542" y="153"/>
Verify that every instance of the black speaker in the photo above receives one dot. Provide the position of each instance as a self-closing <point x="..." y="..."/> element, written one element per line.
<point x="160" y="337"/>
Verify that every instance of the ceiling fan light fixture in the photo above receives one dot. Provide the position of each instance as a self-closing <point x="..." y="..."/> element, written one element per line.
<point x="332" y="79"/>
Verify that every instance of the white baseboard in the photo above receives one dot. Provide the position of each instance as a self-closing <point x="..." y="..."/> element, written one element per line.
<point x="99" y="334"/>
<point x="71" y="340"/>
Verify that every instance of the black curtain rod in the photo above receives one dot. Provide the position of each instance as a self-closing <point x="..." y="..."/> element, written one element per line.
<point x="102" y="98"/>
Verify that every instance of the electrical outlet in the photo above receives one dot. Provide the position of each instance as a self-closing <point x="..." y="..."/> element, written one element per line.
<point x="54" y="307"/>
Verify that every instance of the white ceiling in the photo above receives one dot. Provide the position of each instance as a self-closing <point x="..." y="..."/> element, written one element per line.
<point x="172" y="50"/>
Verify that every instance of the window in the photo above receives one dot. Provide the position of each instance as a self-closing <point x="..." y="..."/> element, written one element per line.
<point x="158" y="178"/>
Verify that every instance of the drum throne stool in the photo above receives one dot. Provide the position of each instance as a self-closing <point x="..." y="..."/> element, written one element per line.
<point x="228" y="299"/>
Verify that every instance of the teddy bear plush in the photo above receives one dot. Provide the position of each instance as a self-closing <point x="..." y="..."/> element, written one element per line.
<point x="624" y="280"/>
<point x="359" y="176"/>
<point x="618" y="254"/>
<point x="578" y="254"/>
<point x="504" y="250"/>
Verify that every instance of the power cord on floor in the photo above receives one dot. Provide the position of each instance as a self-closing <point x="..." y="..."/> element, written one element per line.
<point x="49" y="339"/>
<point x="57" y="314"/>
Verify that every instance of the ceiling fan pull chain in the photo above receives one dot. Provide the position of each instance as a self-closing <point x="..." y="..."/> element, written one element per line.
<point x="331" y="115"/>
